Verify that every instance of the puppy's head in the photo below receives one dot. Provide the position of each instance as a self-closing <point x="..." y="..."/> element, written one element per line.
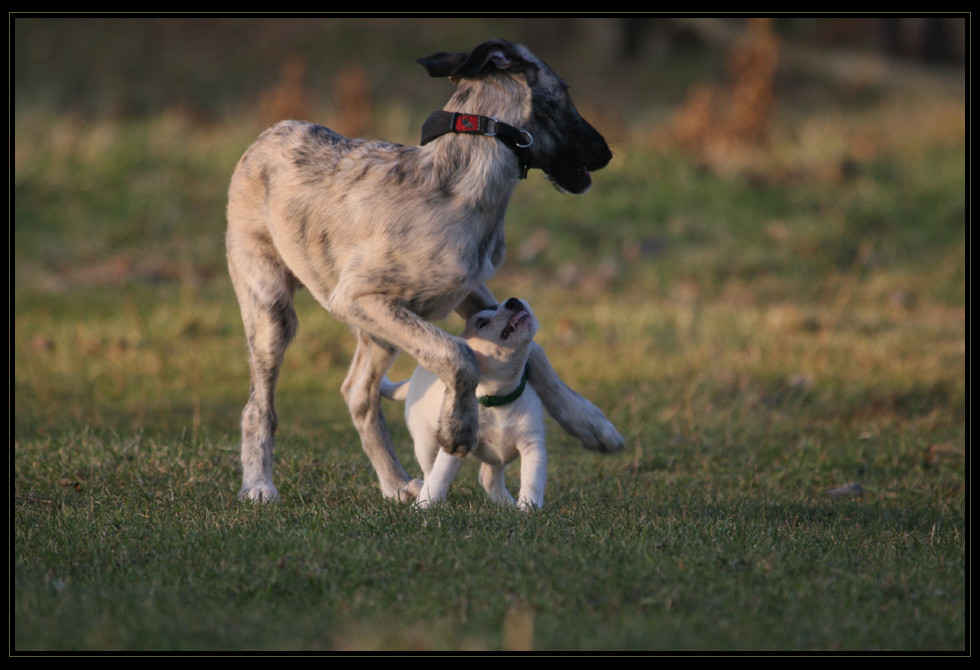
<point x="501" y="337"/>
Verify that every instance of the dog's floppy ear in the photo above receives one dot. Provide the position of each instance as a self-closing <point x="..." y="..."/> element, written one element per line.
<point x="498" y="53"/>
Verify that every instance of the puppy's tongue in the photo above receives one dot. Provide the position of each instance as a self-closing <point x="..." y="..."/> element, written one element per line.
<point x="512" y="324"/>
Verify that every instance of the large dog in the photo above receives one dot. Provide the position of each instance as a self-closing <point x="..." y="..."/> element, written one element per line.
<point x="511" y="420"/>
<point x="389" y="237"/>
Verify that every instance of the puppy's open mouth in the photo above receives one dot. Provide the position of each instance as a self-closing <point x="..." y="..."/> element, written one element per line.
<point x="515" y="321"/>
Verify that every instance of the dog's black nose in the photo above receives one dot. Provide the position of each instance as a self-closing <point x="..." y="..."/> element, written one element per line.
<point x="514" y="304"/>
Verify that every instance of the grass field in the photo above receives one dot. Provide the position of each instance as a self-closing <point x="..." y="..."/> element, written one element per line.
<point x="772" y="334"/>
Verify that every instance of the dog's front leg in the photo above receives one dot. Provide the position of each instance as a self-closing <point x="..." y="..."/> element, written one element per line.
<point x="446" y="356"/>
<point x="576" y="415"/>
<point x="476" y="301"/>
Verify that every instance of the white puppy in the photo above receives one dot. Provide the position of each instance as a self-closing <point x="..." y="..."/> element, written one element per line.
<point x="511" y="419"/>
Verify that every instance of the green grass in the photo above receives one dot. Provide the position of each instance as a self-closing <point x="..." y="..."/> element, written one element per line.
<point x="761" y="334"/>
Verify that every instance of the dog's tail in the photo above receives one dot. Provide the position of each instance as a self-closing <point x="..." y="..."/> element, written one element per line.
<point x="394" y="390"/>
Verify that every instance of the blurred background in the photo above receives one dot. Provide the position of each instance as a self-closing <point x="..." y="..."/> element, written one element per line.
<point x="629" y="68"/>
<point x="810" y="169"/>
<point x="770" y="100"/>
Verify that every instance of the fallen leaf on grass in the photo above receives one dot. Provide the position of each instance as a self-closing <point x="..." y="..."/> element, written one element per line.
<point x="944" y="451"/>
<point x="851" y="489"/>
<point x="68" y="483"/>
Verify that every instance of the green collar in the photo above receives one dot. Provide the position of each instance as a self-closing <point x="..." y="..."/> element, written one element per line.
<point x="498" y="400"/>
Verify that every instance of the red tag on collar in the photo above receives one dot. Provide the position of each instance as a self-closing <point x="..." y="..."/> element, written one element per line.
<point x="466" y="123"/>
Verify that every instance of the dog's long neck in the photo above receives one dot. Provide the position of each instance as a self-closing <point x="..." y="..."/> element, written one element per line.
<point x="480" y="169"/>
<point x="505" y="97"/>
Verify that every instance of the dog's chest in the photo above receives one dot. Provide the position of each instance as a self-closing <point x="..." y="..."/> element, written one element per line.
<point x="489" y="254"/>
<point x="434" y="285"/>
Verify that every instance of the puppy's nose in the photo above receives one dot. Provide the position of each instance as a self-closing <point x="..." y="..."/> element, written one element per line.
<point x="514" y="304"/>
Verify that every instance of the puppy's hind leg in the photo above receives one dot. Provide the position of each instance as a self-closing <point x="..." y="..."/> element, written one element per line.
<point x="361" y="390"/>
<point x="492" y="481"/>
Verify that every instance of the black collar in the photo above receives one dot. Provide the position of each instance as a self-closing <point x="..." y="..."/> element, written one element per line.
<point x="499" y="400"/>
<point x="442" y="122"/>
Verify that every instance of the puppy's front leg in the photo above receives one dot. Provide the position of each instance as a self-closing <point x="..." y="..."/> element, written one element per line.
<point x="534" y="474"/>
<point x="435" y="489"/>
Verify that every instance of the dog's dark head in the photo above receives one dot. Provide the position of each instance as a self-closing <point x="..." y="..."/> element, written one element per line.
<point x="565" y="146"/>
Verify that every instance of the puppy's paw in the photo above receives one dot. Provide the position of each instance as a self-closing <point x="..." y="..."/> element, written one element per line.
<point x="260" y="493"/>
<point x="528" y="505"/>
<point x="503" y="498"/>
<point x="427" y="499"/>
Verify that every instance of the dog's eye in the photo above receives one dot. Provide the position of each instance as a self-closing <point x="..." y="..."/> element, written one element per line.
<point x="480" y="323"/>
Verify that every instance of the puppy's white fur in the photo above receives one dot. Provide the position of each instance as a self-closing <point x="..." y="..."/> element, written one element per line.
<point x="501" y="339"/>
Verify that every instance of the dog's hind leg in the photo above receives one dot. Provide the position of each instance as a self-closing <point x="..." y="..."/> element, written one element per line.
<point x="265" y="293"/>
<point x="361" y="390"/>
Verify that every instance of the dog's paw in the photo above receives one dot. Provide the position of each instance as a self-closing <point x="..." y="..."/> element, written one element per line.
<point x="403" y="490"/>
<point x="594" y="430"/>
<point x="456" y="446"/>
<point x="260" y="493"/>
<point x="410" y="490"/>
<point x="605" y="438"/>
<point x="577" y="416"/>
<point x="458" y="430"/>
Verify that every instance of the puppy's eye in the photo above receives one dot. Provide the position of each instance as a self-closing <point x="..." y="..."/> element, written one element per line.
<point x="480" y="323"/>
